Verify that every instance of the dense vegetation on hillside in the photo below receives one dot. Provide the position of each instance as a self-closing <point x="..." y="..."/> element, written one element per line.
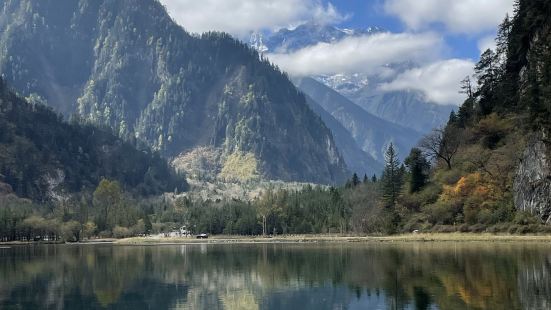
<point x="43" y="157"/>
<point x="49" y="169"/>
<point x="475" y="158"/>
<point x="127" y="65"/>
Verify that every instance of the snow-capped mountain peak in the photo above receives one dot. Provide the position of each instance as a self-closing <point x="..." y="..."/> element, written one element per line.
<point x="256" y="41"/>
<point x="344" y="83"/>
<point x="292" y="39"/>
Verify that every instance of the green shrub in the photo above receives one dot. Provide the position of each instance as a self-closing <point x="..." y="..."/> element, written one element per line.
<point x="444" y="229"/>
<point x="477" y="228"/>
<point x="486" y="216"/>
<point x="513" y="229"/>
<point x="525" y="218"/>
<point x="71" y="231"/>
<point x="448" y="177"/>
<point x="499" y="228"/>
<point x="89" y="229"/>
<point x="440" y="213"/>
<point x="505" y="211"/>
<point x="524" y="229"/>
<point x="121" y="232"/>
<point x="417" y="221"/>
<point x="105" y="234"/>
<point x="138" y="229"/>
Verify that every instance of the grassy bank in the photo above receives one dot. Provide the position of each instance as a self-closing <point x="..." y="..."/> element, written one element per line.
<point x="319" y="238"/>
<point x="431" y="237"/>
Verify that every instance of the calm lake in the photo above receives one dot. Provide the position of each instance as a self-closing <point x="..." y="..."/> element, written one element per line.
<point x="278" y="276"/>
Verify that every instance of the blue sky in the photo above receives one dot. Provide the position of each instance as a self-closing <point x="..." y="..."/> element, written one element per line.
<point x="443" y="38"/>
<point x="365" y="13"/>
<point x="362" y="13"/>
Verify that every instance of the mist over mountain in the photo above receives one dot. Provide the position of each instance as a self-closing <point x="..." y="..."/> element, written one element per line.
<point x="289" y="40"/>
<point x="406" y="108"/>
<point x="127" y="65"/>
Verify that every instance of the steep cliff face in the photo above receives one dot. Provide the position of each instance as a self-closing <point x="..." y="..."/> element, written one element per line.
<point x="125" y="64"/>
<point x="532" y="184"/>
<point x="528" y="65"/>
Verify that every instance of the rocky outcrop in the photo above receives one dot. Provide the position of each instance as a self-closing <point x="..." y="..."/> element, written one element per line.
<point x="532" y="184"/>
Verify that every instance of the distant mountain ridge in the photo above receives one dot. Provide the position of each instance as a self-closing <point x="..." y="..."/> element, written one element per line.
<point x="407" y="108"/>
<point x="371" y="133"/>
<point x="125" y="64"/>
<point x="357" y="160"/>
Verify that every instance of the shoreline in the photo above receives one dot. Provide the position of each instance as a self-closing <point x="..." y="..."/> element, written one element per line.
<point x="294" y="239"/>
<point x="437" y="237"/>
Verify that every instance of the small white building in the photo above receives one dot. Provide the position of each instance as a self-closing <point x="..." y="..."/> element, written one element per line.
<point x="184" y="232"/>
<point x="178" y="233"/>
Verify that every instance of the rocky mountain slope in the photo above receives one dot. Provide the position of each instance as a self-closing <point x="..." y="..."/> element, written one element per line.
<point x="127" y="65"/>
<point x="357" y="160"/>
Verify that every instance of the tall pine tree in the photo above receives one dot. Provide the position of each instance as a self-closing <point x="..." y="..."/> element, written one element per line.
<point x="355" y="180"/>
<point x="392" y="179"/>
<point x="418" y="167"/>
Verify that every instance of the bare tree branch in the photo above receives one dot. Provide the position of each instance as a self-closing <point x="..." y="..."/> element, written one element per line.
<point x="442" y="143"/>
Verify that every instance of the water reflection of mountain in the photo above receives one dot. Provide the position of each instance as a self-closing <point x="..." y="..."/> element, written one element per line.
<point x="271" y="276"/>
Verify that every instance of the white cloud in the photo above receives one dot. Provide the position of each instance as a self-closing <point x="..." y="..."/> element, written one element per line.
<point x="458" y="16"/>
<point x="366" y="54"/>
<point x="439" y="81"/>
<point x="488" y="42"/>
<point x="239" y="17"/>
